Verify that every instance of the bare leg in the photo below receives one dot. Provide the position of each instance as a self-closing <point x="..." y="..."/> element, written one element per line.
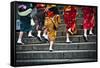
<point x="45" y="34"/>
<point x="85" y="34"/>
<point x="90" y="32"/>
<point x="20" y="38"/>
<point x="67" y="37"/>
<point x="30" y="34"/>
<point x="39" y="34"/>
<point x="69" y="30"/>
<point x="51" y="45"/>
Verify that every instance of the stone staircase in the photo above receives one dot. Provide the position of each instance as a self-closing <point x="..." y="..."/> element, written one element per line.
<point x="34" y="52"/>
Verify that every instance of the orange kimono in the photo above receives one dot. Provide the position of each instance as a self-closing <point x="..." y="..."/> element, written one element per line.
<point x="51" y="24"/>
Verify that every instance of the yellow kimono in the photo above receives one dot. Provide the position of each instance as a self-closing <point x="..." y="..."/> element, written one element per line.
<point x="50" y="24"/>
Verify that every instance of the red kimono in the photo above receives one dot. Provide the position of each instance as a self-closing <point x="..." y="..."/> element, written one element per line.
<point x="70" y="18"/>
<point x="89" y="19"/>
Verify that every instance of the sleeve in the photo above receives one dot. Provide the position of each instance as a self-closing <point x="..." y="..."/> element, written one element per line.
<point x="25" y="13"/>
<point x="58" y="19"/>
<point x="45" y="22"/>
<point x="34" y="12"/>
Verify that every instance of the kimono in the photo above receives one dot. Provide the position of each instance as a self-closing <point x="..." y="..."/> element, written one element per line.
<point x="24" y="11"/>
<point x="40" y="16"/>
<point x="70" y="18"/>
<point x="89" y="19"/>
<point x="51" y="24"/>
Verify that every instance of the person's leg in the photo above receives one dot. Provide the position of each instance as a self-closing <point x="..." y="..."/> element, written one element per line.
<point x="85" y="28"/>
<point x="45" y="34"/>
<point x="40" y="26"/>
<point x="52" y="37"/>
<point x="85" y="35"/>
<point x="92" y="24"/>
<point x="67" y="37"/>
<point x="69" y="30"/>
<point x="20" y="38"/>
<point x="90" y="32"/>
<point x="30" y="34"/>
<point x="51" y="45"/>
<point x="39" y="34"/>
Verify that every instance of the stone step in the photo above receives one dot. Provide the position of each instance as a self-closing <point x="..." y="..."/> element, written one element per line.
<point x="57" y="46"/>
<point x="57" y="54"/>
<point x="51" y="61"/>
<point x="77" y="38"/>
<point x="73" y="38"/>
<point x="60" y="32"/>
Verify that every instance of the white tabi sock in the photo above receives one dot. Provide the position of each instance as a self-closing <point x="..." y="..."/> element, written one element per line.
<point x="51" y="44"/>
<point x="69" y="30"/>
<point x="20" y="37"/>
<point x="19" y="40"/>
<point x="39" y="34"/>
<point x="67" y="38"/>
<point x="90" y="32"/>
<point x="45" y="36"/>
<point x="85" y="33"/>
<point x="30" y="34"/>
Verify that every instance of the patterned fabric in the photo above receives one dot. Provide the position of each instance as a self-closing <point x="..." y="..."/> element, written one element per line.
<point x="49" y="25"/>
<point x="70" y="18"/>
<point x="89" y="19"/>
<point x="40" y="16"/>
<point x="25" y="25"/>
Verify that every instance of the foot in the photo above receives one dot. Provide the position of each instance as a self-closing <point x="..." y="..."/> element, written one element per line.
<point x="69" y="31"/>
<point x="50" y="50"/>
<point x="30" y="36"/>
<point x="39" y="38"/>
<point x="90" y="33"/>
<point x="44" y="38"/>
<point x="68" y="41"/>
<point x="85" y="38"/>
<point x="20" y="43"/>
